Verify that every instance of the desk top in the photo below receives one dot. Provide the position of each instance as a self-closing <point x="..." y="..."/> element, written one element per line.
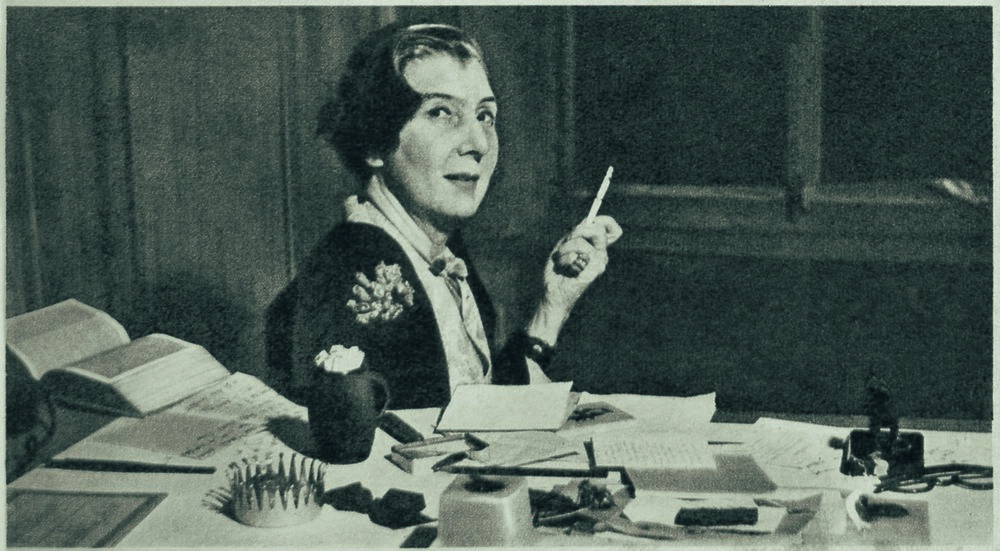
<point x="192" y="513"/>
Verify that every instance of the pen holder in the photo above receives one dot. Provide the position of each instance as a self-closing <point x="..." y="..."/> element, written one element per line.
<point x="265" y="496"/>
<point x="343" y="415"/>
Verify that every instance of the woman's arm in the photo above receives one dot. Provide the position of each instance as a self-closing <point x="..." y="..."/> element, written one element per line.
<point x="564" y="287"/>
<point x="529" y="352"/>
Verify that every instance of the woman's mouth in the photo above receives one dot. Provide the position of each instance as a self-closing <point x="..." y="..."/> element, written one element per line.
<point x="462" y="177"/>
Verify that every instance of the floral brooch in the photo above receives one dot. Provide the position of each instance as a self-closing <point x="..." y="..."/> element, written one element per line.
<point x="382" y="299"/>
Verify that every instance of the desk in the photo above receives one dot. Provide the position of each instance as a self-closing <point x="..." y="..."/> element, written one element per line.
<point x="190" y="516"/>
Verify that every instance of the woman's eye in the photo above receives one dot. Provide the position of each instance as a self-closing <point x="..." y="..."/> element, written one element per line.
<point x="487" y="117"/>
<point x="439" y="112"/>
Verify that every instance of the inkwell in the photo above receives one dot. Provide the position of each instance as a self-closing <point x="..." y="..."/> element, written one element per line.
<point x="881" y="449"/>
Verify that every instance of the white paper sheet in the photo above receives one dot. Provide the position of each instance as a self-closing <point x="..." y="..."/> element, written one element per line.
<point x="523" y="447"/>
<point x="652" y="450"/>
<point x="690" y="414"/>
<point x="475" y="408"/>
<point x="194" y="430"/>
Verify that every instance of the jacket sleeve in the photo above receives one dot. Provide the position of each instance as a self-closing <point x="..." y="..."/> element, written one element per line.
<point x="510" y="366"/>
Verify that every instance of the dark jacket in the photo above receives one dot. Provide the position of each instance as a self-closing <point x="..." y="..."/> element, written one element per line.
<point x="405" y="352"/>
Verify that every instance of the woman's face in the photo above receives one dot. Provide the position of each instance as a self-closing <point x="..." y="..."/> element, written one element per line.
<point x="447" y="152"/>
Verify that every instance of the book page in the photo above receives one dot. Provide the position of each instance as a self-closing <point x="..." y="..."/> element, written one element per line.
<point x="174" y="434"/>
<point x="146" y="375"/>
<point x="476" y="408"/>
<point x="112" y="363"/>
<point x="61" y="334"/>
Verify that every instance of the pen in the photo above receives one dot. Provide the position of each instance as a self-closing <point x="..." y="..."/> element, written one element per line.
<point x="125" y="466"/>
<point x="600" y="195"/>
<point x="449" y="460"/>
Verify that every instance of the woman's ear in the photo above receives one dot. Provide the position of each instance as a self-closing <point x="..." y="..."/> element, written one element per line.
<point x="375" y="161"/>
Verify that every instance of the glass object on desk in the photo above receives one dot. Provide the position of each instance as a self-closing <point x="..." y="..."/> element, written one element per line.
<point x="343" y="414"/>
<point x="485" y="512"/>
<point x="266" y="495"/>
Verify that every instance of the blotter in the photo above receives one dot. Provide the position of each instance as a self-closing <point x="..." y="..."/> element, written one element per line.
<point x="85" y="519"/>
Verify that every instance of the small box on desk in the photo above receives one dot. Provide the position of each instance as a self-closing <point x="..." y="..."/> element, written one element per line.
<point x="421" y="457"/>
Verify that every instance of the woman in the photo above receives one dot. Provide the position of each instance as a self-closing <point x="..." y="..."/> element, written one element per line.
<point x="414" y="119"/>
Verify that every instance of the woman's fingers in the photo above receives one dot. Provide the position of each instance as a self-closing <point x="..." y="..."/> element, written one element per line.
<point x="600" y="233"/>
<point x="573" y="255"/>
<point x="569" y="259"/>
<point x="586" y="246"/>
<point x="611" y="227"/>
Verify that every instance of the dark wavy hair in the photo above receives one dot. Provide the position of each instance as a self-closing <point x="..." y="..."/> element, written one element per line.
<point x="372" y="101"/>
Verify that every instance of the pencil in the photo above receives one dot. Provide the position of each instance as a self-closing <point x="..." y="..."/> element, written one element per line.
<point x="600" y="195"/>
<point x="503" y="470"/>
<point x="126" y="466"/>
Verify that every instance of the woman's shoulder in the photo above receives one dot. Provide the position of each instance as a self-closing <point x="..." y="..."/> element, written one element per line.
<point x="350" y="248"/>
<point x="351" y="242"/>
<point x="354" y="236"/>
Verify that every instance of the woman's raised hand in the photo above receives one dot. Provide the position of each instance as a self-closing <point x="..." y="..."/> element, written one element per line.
<point x="577" y="260"/>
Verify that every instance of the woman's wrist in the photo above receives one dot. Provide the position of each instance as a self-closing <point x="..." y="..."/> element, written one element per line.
<point x="547" y="323"/>
<point x="536" y="350"/>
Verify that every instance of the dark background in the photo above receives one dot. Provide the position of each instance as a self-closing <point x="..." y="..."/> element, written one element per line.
<point x="162" y="166"/>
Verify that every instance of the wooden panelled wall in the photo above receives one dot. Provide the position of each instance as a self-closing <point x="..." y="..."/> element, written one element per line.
<point x="161" y="165"/>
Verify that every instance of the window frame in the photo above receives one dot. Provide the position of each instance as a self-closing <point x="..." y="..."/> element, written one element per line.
<point x="802" y="218"/>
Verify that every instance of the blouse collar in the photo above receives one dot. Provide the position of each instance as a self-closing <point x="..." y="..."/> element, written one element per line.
<point x="388" y="209"/>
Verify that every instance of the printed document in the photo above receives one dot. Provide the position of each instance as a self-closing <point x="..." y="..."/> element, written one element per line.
<point x="652" y="450"/>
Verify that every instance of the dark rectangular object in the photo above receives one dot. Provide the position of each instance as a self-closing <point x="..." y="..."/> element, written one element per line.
<point x="716" y="516"/>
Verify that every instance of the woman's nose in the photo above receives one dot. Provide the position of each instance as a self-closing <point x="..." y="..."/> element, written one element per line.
<point x="475" y="140"/>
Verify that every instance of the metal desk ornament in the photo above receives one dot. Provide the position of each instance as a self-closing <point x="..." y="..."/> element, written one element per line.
<point x="266" y="497"/>
<point x="897" y="458"/>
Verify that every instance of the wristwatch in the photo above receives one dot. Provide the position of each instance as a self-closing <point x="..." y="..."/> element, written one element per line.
<point x="537" y="350"/>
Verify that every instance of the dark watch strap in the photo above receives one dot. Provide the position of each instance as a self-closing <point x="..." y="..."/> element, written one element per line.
<point x="537" y="350"/>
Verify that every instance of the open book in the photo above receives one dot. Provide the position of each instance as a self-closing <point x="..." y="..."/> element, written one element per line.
<point x="82" y="356"/>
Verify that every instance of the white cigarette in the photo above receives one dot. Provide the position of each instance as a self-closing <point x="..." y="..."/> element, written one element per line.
<point x="600" y="195"/>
